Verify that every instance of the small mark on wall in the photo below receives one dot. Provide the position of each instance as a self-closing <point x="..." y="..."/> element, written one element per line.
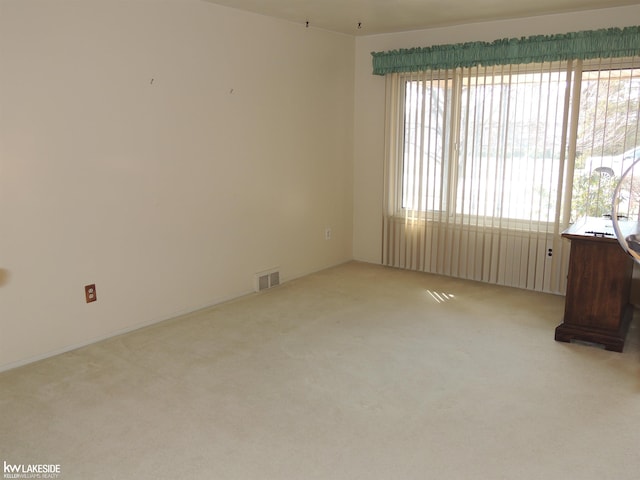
<point x="4" y="276"/>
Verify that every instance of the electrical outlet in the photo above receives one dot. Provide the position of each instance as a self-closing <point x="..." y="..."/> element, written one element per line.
<point x="90" y="293"/>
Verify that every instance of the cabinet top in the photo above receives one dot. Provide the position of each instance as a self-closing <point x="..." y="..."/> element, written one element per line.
<point x="601" y="229"/>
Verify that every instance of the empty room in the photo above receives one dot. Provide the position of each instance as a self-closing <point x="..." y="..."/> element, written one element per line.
<point x="290" y="239"/>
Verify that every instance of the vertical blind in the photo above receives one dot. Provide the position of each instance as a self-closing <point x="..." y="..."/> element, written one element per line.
<point x="486" y="165"/>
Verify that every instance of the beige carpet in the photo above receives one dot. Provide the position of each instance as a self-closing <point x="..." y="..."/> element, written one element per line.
<point x="356" y="372"/>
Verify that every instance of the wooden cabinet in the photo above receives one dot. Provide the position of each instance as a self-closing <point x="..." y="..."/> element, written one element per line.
<point x="597" y="307"/>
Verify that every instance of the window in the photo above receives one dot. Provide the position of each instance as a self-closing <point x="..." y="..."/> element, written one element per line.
<point x="425" y="156"/>
<point x="501" y="144"/>
<point x="608" y="136"/>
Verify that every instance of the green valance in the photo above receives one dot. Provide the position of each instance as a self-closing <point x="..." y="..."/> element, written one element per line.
<point x="605" y="43"/>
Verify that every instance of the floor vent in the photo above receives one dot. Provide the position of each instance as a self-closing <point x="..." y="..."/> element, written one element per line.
<point x="267" y="279"/>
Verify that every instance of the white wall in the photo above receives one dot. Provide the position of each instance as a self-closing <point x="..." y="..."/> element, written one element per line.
<point x="165" y="150"/>
<point x="370" y="102"/>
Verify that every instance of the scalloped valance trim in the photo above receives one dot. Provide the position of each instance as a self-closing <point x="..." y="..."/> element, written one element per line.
<point x="604" y="43"/>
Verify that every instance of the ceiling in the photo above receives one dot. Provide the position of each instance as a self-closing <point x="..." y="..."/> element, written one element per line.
<point x="387" y="16"/>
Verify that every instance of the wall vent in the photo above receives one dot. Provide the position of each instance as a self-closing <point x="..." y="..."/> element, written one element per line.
<point x="267" y="279"/>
